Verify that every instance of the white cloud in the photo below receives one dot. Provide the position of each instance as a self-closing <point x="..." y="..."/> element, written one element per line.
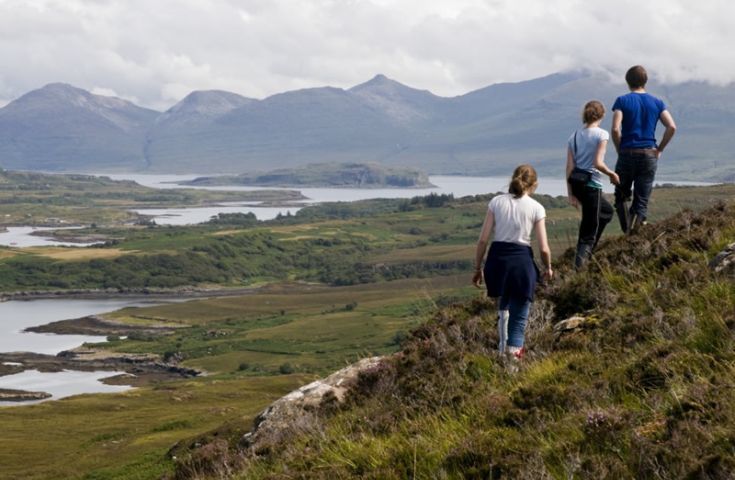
<point x="158" y="51"/>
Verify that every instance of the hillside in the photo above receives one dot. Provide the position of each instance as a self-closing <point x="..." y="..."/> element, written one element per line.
<point x="359" y="175"/>
<point x="639" y="385"/>
<point x="486" y="131"/>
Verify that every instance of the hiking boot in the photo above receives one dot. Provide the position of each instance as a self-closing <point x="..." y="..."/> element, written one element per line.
<point x="584" y="252"/>
<point x="513" y="358"/>
<point x="637" y="224"/>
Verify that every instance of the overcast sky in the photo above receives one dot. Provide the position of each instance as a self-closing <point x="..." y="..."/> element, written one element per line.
<point x="154" y="52"/>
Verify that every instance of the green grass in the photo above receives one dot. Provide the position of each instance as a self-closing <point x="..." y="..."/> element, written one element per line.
<point x="126" y="435"/>
<point x="644" y="391"/>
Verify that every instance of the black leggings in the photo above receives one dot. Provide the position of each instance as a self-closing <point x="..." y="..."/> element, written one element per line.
<point x="596" y="213"/>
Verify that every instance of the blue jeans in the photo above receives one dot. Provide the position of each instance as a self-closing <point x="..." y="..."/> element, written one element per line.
<point x="637" y="172"/>
<point x="518" y="311"/>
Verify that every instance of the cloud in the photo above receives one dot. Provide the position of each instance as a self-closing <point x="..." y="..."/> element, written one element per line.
<point x="157" y="52"/>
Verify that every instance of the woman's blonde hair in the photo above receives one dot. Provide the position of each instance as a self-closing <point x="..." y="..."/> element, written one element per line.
<point x="523" y="180"/>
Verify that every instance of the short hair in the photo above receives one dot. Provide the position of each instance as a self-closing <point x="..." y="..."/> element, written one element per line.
<point x="524" y="179"/>
<point x="636" y="77"/>
<point x="593" y="111"/>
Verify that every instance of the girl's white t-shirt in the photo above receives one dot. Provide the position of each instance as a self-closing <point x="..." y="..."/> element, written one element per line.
<point x="515" y="217"/>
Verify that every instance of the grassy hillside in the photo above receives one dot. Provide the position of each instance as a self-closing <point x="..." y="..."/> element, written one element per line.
<point x="658" y="336"/>
<point x="641" y="389"/>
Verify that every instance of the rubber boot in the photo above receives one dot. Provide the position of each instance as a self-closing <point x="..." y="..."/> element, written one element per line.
<point x="503" y="316"/>
<point x="584" y="252"/>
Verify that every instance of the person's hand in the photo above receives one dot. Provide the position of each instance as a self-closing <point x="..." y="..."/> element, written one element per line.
<point x="573" y="201"/>
<point x="549" y="273"/>
<point x="614" y="179"/>
<point x="477" y="279"/>
<point x="658" y="153"/>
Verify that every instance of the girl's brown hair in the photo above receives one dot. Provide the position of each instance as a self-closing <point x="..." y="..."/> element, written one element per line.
<point x="593" y="111"/>
<point x="523" y="180"/>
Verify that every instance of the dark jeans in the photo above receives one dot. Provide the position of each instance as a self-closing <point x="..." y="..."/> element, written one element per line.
<point x="637" y="172"/>
<point x="596" y="213"/>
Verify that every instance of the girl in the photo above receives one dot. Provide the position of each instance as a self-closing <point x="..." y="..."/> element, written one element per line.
<point x="585" y="163"/>
<point x="510" y="272"/>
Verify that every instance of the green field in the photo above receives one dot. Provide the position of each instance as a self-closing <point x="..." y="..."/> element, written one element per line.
<point x="338" y="282"/>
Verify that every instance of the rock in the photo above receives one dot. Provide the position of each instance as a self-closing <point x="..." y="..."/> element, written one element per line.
<point x="297" y="411"/>
<point x="725" y="260"/>
<point x="571" y="323"/>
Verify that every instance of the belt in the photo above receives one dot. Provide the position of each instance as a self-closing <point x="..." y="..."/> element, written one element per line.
<point x="637" y="151"/>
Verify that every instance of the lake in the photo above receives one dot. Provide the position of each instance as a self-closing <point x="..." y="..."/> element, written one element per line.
<point x="459" y="186"/>
<point x="26" y="237"/>
<point x="16" y="316"/>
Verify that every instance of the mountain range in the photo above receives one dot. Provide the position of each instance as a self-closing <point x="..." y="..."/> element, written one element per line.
<point x="484" y="132"/>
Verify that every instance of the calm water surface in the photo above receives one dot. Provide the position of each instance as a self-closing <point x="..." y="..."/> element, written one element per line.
<point x="24" y="237"/>
<point x="16" y="316"/>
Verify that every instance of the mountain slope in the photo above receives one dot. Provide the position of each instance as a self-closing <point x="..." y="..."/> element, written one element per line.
<point x="638" y="384"/>
<point x="60" y="127"/>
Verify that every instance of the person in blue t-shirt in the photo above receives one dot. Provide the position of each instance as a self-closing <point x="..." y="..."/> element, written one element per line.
<point x="635" y="116"/>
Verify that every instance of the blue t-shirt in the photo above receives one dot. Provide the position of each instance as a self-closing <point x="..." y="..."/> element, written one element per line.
<point x="641" y="112"/>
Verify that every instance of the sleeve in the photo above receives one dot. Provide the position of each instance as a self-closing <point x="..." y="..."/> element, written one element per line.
<point x="539" y="213"/>
<point x="661" y="105"/>
<point x="491" y="204"/>
<point x="604" y="135"/>
<point x="618" y="105"/>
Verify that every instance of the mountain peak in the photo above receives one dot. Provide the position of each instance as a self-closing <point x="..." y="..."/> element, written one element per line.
<point x="380" y="82"/>
<point x="207" y="103"/>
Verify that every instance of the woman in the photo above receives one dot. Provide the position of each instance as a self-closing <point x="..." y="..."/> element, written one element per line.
<point x="585" y="164"/>
<point x="510" y="272"/>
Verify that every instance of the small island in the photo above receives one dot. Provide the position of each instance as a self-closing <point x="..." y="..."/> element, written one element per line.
<point x="351" y="175"/>
<point x="8" y="395"/>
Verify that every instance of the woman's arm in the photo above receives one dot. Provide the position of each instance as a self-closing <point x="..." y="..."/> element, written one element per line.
<point x="600" y="163"/>
<point x="570" y="166"/>
<point x="487" y="227"/>
<point x="543" y="246"/>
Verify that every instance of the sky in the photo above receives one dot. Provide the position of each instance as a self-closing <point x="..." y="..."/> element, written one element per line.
<point x="154" y="52"/>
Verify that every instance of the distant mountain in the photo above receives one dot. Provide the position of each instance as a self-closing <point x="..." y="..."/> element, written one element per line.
<point x="60" y="127"/>
<point x="487" y="131"/>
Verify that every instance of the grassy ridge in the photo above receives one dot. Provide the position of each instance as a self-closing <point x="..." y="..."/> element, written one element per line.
<point x="642" y="389"/>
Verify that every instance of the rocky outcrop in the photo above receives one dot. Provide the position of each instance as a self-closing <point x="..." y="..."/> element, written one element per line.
<point x="297" y="411"/>
<point x="724" y="261"/>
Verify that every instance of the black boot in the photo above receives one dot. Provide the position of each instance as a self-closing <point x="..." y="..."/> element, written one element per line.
<point x="584" y="252"/>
